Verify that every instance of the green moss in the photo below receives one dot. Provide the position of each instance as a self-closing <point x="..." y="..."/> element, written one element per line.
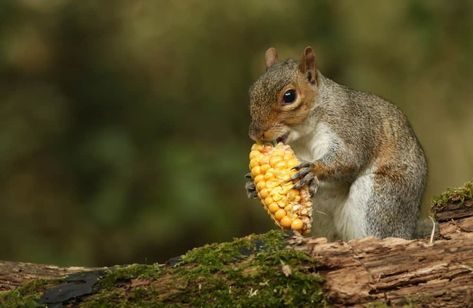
<point x="116" y="288"/>
<point x="255" y="271"/>
<point x="27" y="295"/>
<point x="120" y="297"/>
<point x="217" y="255"/>
<point x="248" y="272"/>
<point x="125" y="273"/>
<point x="459" y="194"/>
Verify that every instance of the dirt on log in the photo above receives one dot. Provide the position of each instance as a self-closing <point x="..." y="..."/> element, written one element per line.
<point x="275" y="269"/>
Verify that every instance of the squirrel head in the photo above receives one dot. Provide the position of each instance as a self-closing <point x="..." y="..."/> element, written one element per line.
<point x="283" y="97"/>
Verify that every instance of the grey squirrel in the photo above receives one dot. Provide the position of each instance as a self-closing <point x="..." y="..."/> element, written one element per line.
<point x="361" y="156"/>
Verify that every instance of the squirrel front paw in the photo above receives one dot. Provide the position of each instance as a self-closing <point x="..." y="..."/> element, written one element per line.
<point x="250" y="187"/>
<point x="306" y="176"/>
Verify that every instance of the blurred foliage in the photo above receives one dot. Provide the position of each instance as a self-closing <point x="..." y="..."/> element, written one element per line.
<point x="123" y="125"/>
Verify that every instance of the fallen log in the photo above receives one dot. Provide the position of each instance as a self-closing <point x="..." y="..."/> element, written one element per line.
<point x="275" y="269"/>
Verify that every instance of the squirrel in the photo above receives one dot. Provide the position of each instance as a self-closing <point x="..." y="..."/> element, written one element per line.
<point x="361" y="158"/>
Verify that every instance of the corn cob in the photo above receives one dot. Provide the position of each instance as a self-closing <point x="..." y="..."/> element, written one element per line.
<point x="271" y="170"/>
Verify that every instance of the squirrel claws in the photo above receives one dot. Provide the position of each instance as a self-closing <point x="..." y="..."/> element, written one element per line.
<point x="250" y="187"/>
<point x="303" y="165"/>
<point x="313" y="186"/>
<point x="304" y="169"/>
<point x="304" y="181"/>
<point x="302" y="173"/>
<point x="306" y="177"/>
<point x="311" y="180"/>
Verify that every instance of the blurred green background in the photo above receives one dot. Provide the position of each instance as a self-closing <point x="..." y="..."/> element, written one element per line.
<point x="123" y="124"/>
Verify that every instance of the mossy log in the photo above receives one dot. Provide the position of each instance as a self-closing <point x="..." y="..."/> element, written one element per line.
<point x="274" y="269"/>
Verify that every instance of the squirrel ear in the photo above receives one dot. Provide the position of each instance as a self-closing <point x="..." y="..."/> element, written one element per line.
<point x="271" y="57"/>
<point x="307" y="65"/>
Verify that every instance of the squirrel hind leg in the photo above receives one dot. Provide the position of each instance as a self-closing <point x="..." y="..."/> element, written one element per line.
<point x="350" y="219"/>
<point x="378" y="205"/>
<point x="393" y="208"/>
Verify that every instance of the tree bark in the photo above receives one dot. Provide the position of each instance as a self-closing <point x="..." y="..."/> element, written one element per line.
<point x="398" y="271"/>
<point x="13" y="274"/>
<point x="369" y="270"/>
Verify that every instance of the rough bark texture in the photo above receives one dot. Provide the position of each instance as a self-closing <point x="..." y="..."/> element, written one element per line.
<point x="398" y="271"/>
<point x="13" y="274"/>
<point x="392" y="271"/>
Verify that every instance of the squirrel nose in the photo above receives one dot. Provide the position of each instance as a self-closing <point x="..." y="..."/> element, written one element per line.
<point x="255" y="136"/>
<point x="255" y="132"/>
<point x="260" y="134"/>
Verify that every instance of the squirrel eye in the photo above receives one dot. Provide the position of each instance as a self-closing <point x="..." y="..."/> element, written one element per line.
<point x="289" y="96"/>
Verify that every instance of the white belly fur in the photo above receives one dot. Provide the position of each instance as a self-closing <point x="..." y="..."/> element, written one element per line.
<point x="338" y="207"/>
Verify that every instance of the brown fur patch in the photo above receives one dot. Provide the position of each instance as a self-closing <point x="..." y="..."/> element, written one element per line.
<point x="307" y="95"/>
<point x="390" y="172"/>
<point x="322" y="171"/>
<point x="386" y="152"/>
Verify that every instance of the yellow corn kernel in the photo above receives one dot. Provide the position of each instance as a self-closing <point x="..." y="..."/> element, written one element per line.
<point x="268" y="200"/>
<point x="254" y="154"/>
<point x="264" y="160"/>
<point x="284" y="176"/>
<point x="282" y="204"/>
<point x="265" y="168"/>
<point x="277" y="190"/>
<point x="256" y="147"/>
<point x="292" y="194"/>
<point x="271" y="169"/>
<point x="273" y="207"/>
<point x="280" y="165"/>
<point x="274" y="160"/>
<point x="255" y="171"/>
<point x="296" y="224"/>
<point x="260" y="185"/>
<point x="286" y="187"/>
<point x="279" y="214"/>
<point x="258" y="178"/>
<point x="286" y="221"/>
<point x="269" y="175"/>
<point x="271" y="183"/>
<point x="254" y="162"/>
<point x="291" y="163"/>
<point x="264" y="193"/>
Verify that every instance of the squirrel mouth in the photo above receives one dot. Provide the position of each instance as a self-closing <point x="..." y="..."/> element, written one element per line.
<point x="282" y="138"/>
